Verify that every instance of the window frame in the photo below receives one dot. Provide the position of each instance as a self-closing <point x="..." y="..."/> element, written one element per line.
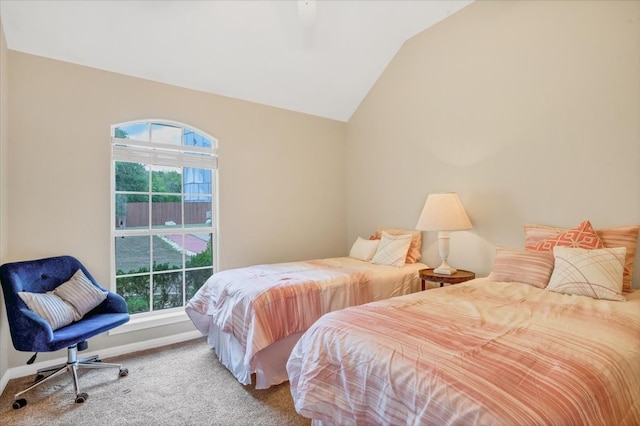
<point x="163" y="154"/>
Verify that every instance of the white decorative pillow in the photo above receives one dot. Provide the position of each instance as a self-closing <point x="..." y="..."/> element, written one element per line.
<point x="364" y="249"/>
<point x="392" y="249"/>
<point x="50" y="307"/>
<point x="595" y="273"/>
<point x="80" y="293"/>
<point x="415" y="251"/>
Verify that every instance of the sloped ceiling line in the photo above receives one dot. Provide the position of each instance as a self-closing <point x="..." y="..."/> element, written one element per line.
<point x="258" y="51"/>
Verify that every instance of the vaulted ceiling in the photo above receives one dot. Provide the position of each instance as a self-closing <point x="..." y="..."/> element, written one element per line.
<point x="315" y="57"/>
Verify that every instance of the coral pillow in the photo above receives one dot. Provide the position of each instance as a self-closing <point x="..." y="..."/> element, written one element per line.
<point x="581" y="237"/>
<point x="621" y="236"/>
<point x="529" y="267"/>
<point x="593" y="273"/>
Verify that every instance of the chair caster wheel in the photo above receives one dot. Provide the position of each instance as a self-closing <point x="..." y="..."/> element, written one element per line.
<point x="124" y="372"/>
<point x="81" y="397"/>
<point x="19" y="403"/>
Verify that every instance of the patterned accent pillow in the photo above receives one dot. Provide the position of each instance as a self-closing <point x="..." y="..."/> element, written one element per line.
<point x="621" y="236"/>
<point x="364" y="249"/>
<point x="392" y="249"/>
<point x="50" y="307"/>
<point x="581" y="237"/>
<point x="80" y="293"/>
<point x="414" y="253"/>
<point x="524" y="266"/>
<point x="593" y="273"/>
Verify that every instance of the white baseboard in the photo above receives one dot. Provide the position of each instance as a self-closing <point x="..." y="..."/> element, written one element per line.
<point x="26" y="370"/>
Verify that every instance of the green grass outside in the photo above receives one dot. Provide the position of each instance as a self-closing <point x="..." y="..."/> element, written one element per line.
<point x="132" y="253"/>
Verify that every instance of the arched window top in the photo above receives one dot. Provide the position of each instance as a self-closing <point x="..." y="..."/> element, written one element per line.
<point x="164" y="132"/>
<point x="163" y="142"/>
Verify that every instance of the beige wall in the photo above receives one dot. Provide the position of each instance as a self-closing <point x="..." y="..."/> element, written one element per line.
<point x="530" y="110"/>
<point x="4" y="186"/>
<point x="281" y="180"/>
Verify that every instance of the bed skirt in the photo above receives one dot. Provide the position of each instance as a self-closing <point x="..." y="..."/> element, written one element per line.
<point x="269" y="365"/>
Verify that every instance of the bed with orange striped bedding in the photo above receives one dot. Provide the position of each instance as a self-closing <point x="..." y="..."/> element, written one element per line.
<point x="478" y="353"/>
<point x="253" y="316"/>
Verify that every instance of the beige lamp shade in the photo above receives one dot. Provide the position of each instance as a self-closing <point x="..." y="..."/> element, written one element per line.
<point x="443" y="213"/>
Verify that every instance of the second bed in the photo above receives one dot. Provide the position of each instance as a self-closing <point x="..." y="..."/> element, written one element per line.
<point x="253" y="316"/>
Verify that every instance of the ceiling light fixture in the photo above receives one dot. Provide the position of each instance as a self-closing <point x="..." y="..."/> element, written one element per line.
<point x="307" y="12"/>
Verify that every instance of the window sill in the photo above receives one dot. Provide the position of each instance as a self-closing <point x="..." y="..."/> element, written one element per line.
<point x="143" y="323"/>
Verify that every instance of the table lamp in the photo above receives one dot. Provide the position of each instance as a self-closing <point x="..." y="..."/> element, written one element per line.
<point x="443" y="213"/>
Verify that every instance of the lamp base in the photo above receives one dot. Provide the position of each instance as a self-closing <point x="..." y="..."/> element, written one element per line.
<point x="443" y="248"/>
<point x="445" y="269"/>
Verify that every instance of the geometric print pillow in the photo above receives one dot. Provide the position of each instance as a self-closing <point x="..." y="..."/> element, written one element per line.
<point x="392" y="250"/>
<point x="619" y="236"/>
<point x="581" y="237"/>
<point x="587" y="272"/>
<point x="415" y="248"/>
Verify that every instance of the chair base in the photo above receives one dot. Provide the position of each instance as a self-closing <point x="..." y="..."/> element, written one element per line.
<point x="72" y="365"/>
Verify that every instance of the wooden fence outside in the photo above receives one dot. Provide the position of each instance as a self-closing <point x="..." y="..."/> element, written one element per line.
<point x="196" y="212"/>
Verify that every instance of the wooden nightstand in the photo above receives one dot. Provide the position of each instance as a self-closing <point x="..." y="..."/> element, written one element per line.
<point x="459" y="277"/>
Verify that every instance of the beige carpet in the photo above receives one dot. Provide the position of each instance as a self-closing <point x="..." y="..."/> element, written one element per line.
<point x="181" y="384"/>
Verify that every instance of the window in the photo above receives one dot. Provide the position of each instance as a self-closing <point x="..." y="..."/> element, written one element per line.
<point x="164" y="214"/>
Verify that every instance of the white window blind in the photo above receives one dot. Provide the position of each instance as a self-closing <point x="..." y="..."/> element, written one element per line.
<point x="160" y="154"/>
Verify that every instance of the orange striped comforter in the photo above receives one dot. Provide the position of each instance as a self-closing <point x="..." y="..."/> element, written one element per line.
<point x="478" y="353"/>
<point x="262" y="304"/>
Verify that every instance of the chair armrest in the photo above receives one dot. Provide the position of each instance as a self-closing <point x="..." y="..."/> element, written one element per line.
<point x="114" y="303"/>
<point x="33" y="328"/>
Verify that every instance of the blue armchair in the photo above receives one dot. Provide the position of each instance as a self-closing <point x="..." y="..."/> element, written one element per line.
<point x="44" y="279"/>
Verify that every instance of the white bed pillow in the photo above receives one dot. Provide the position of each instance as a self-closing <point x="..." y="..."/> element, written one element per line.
<point x="594" y="273"/>
<point x="392" y="249"/>
<point x="364" y="249"/>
